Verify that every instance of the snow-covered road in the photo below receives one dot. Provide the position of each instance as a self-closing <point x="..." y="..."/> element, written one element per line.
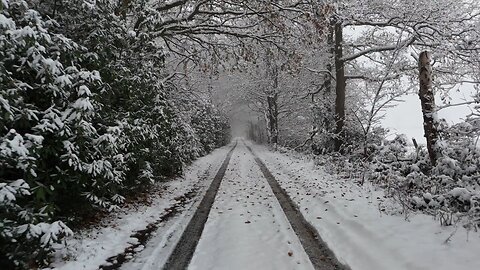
<point x="247" y="228"/>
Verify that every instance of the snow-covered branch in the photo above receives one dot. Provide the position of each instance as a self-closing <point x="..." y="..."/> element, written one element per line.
<point x="392" y="47"/>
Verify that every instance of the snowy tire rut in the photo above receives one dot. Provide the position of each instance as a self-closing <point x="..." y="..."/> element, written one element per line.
<point x="185" y="248"/>
<point x="246" y="221"/>
<point x="318" y="252"/>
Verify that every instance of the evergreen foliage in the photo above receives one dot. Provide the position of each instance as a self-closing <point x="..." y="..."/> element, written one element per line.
<point x="86" y="120"/>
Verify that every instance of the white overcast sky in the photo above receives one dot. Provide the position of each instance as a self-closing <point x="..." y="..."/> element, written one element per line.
<point x="406" y="117"/>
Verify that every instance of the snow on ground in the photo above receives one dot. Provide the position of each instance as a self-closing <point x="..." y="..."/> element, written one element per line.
<point x="247" y="228"/>
<point x="349" y="219"/>
<point x="89" y="249"/>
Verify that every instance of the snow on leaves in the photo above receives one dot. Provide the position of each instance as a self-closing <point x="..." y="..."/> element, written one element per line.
<point x="10" y="191"/>
<point x="448" y="188"/>
<point x="75" y="140"/>
<point x="48" y="135"/>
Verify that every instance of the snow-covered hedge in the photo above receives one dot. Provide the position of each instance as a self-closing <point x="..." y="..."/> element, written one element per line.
<point x="46" y="132"/>
<point x="450" y="189"/>
<point x="85" y="121"/>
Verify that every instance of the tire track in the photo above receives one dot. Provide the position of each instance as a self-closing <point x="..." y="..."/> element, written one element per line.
<point x="320" y="255"/>
<point x="143" y="236"/>
<point x="183" y="252"/>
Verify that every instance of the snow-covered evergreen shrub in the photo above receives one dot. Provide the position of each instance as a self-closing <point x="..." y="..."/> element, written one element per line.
<point x="133" y="97"/>
<point x="157" y="135"/>
<point x="85" y="120"/>
<point x="47" y="138"/>
<point x="211" y="128"/>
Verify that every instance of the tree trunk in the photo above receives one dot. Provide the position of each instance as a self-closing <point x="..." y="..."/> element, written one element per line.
<point x="328" y="117"/>
<point x="427" y="99"/>
<point x="272" y="118"/>
<point x="340" y="87"/>
<point x="272" y="99"/>
<point x="328" y="76"/>
<point x="251" y="131"/>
